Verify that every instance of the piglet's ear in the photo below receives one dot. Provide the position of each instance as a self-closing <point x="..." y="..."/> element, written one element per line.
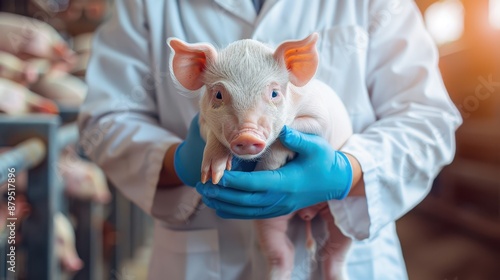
<point x="300" y="58"/>
<point x="188" y="62"/>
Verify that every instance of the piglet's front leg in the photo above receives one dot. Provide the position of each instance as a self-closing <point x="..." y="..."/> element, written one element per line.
<point x="216" y="159"/>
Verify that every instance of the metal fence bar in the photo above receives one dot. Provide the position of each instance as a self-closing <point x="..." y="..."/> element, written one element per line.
<point x="120" y="218"/>
<point x="138" y="229"/>
<point x="124" y="212"/>
<point x="67" y="135"/>
<point x="24" y="156"/>
<point x="38" y="229"/>
<point x="31" y="152"/>
<point x="135" y="229"/>
<point x="37" y="142"/>
<point x="89" y="239"/>
<point x="89" y="215"/>
<point x="68" y="114"/>
<point x="3" y="255"/>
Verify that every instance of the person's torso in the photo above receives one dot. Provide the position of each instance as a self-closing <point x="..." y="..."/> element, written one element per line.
<point x="343" y="28"/>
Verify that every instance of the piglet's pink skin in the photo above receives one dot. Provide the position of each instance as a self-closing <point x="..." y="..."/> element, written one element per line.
<point x="83" y="179"/>
<point x="28" y="38"/>
<point x="251" y="92"/>
<point x="15" y="99"/>
<point x="65" y="244"/>
<point x="63" y="88"/>
<point x="16" y="70"/>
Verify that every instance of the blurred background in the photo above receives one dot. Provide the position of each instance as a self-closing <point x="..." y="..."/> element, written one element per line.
<point x="455" y="232"/>
<point x="69" y="224"/>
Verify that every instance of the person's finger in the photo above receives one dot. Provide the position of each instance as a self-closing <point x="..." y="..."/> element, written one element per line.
<point x="237" y="197"/>
<point x="256" y="181"/>
<point x="194" y="128"/>
<point x="273" y="214"/>
<point x="208" y="189"/>
<point x="241" y="211"/>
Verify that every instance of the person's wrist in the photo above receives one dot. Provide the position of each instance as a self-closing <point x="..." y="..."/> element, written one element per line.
<point x="179" y="162"/>
<point x="188" y="155"/>
<point x="357" y="185"/>
<point x="345" y="168"/>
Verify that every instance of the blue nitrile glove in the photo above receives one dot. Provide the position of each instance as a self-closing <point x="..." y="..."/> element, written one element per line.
<point x="189" y="155"/>
<point x="317" y="174"/>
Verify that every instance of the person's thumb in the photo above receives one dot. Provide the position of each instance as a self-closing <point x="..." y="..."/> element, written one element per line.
<point x="194" y="128"/>
<point x="294" y="140"/>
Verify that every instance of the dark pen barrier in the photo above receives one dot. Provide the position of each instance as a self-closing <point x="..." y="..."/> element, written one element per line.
<point x="37" y="142"/>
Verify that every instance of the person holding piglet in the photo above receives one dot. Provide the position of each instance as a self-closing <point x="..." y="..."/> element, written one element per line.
<point x="145" y="139"/>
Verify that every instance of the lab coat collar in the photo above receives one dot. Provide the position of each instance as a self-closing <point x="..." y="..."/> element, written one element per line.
<point x="245" y="10"/>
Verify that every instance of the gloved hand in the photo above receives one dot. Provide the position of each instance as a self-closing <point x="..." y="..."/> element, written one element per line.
<point x="317" y="174"/>
<point x="189" y="154"/>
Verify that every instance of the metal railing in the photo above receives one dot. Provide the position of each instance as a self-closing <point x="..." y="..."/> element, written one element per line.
<point x="36" y="142"/>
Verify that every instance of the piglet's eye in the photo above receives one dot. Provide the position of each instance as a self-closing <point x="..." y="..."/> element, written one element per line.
<point x="218" y="95"/>
<point x="274" y="94"/>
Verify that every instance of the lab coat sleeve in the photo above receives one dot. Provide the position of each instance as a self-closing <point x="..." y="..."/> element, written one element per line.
<point x="118" y="121"/>
<point x="413" y="135"/>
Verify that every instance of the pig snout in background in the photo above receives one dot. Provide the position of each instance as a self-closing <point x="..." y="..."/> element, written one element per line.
<point x="65" y="244"/>
<point x="251" y="92"/>
<point x="83" y="179"/>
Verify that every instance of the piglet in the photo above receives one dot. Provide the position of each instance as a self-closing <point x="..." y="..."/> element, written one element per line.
<point x="63" y="88"/>
<point x="251" y="92"/>
<point x="30" y="38"/>
<point x="65" y="244"/>
<point x="15" y="99"/>
<point x="17" y="70"/>
<point x="83" y="179"/>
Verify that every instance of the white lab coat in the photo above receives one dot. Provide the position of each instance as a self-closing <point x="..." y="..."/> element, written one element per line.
<point x="375" y="54"/>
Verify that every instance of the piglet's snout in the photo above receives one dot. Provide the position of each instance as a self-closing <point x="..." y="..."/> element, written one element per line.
<point x="247" y="144"/>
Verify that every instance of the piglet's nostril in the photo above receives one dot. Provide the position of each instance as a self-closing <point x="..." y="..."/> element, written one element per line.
<point x="259" y="145"/>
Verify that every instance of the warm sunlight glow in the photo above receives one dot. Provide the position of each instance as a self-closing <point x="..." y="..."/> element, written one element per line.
<point x="495" y="13"/>
<point x="445" y="20"/>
